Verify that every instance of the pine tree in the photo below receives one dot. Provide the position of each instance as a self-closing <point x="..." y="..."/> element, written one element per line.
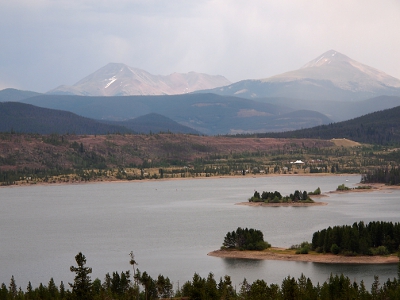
<point x="13" y="287"/>
<point x="82" y="286"/>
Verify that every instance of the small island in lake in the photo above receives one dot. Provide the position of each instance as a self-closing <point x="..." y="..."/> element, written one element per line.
<point x="298" y="198"/>
<point x="374" y="243"/>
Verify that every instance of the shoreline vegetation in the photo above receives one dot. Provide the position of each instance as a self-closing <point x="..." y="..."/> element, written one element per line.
<point x="57" y="180"/>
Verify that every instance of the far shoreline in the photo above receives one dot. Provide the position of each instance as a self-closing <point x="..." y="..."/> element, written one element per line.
<point x="24" y="183"/>
<point x="275" y="253"/>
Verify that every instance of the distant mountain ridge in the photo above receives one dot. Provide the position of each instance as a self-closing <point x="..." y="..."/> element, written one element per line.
<point x="155" y="123"/>
<point x="331" y="76"/>
<point x="116" y="79"/>
<point x="207" y="113"/>
<point x="14" y="95"/>
<point x="26" y="118"/>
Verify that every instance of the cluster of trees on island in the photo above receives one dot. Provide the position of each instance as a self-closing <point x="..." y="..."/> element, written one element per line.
<point x="375" y="238"/>
<point x="276" y="197"/>
<point x="245" y="239"/>
<point x="143" y="287"/>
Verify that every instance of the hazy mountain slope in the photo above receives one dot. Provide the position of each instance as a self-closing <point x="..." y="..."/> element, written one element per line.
<point x="14" y="95"/>
<point x="381" y="127"/>
<point x="25" y="118"/>
<point x="331" y="76"/>
<point x="155" y="123"/>
<point x="338" y="110"/>
<point x="207" y="113"/>
<point x="121" y="80"/>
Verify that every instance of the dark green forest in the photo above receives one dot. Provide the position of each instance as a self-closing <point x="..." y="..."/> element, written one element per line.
<point x="141" y="286"/>
<point x="374" y="238"/>
<point x="379" y="128"/>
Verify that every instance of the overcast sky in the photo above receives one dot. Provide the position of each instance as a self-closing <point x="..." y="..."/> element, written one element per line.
<point x="47" y="43"/>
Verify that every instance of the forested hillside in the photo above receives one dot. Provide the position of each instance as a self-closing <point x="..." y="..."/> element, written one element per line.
<point x="207" y="113"/>
<point x="26" y="118"/>
<point x="382" y="128"/>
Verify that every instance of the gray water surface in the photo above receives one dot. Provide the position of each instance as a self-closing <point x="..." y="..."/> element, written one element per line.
<point x="172" y="225"/>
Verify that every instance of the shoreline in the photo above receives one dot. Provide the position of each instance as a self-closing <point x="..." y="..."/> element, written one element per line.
<point x="288" y="255"/>
<point x="23" y="183"/>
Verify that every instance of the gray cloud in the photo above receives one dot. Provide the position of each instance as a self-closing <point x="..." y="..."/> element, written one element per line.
<point x="47" y="43"/>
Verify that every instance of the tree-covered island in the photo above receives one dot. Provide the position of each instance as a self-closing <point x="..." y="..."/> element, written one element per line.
<point x="276" y="197"/>
<point x="375" y="242"/>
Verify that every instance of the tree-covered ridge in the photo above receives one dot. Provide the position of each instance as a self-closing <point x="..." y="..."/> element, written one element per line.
<point x="26" y="118"/>
<point x="382" y="128"/>
<point x="389" y="176"/>
<point x="276" y="197"/>
<point x="375" y="238"/>
<point x="143" y="287"/>
<point x="245" y="239"/>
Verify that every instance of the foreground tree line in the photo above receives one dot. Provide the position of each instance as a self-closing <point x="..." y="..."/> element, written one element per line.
<point x="143" y="287"/>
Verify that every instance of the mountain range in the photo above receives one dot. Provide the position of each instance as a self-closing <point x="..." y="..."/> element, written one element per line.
<point x="330" y="88"/>
<point x="331" y="76"/>
<point x="116" y="79"/>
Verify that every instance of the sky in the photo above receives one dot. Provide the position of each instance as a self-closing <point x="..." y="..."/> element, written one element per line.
<point x="47" y="43"/>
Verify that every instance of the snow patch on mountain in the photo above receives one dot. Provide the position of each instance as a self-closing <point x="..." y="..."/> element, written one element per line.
<point x="112" y="80"/>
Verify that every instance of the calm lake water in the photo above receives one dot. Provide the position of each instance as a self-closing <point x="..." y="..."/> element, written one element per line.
<point x="172" y="225"/>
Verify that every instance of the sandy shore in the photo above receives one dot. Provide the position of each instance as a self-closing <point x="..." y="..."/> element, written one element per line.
<point x="289" y="255"/>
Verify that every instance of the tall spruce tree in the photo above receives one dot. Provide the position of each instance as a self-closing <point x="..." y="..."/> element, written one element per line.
<point x="82" y="286"/>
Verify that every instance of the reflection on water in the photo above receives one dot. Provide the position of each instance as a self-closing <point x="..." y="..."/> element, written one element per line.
<point x="238" y="263"/>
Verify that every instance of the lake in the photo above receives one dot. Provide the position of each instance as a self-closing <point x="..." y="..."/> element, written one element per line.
<point x="172" y="225"/>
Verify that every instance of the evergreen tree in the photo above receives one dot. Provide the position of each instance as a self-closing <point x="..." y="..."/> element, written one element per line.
<point x="52" y="288"/>
<point x="13" y="287"/>
<point x="82" y="286"/>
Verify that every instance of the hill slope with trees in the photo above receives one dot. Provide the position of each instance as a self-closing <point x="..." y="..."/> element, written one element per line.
<point x="155" y="123"/>
<point x="381" y="127"/>
<point x="26" y="118"/>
